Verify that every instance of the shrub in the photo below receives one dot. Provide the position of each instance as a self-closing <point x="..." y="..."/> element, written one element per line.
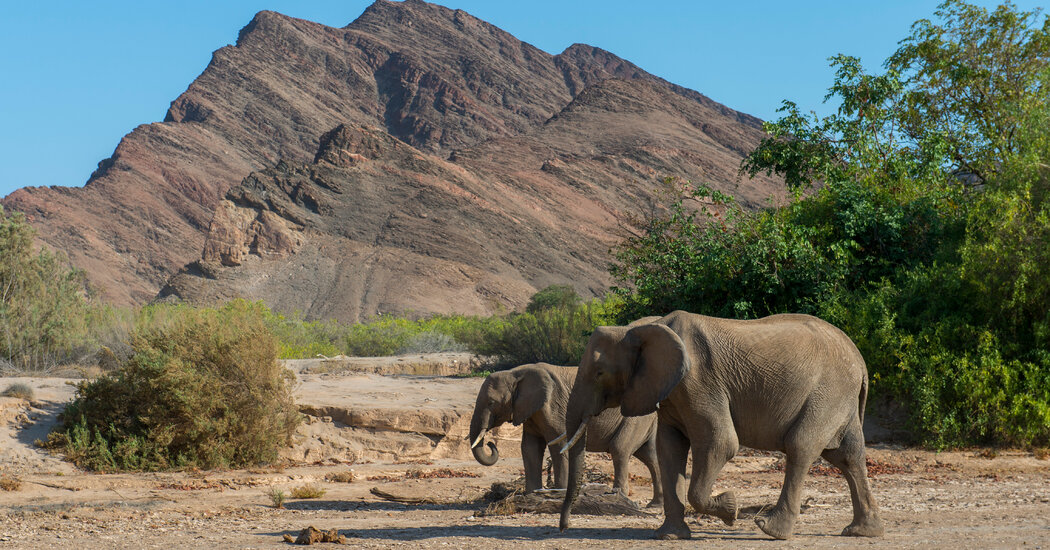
<point x="308" y="491"/>
<point x="556" y="335"/>
<point x="8" y="483"/>
<point x="431" y="341"/>
<point x="389" y="335"/>
<point x="44" y="311"/>
<point x="346" y="476"/>
<point x="20" y="390"/>
<point x="383" y="336"/>
<point x="553" y="297"/>
<point x="277" y="497"/>
<point x="202" y="389"/>
<point x="301" y="339"/>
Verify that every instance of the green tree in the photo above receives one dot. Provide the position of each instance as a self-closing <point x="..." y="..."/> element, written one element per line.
<point x="43" y="307"/>
<point x="553" y="297"/>
<point x="920" y="225"/>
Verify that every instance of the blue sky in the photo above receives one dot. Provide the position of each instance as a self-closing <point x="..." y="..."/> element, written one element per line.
<point x="76" y="76"/>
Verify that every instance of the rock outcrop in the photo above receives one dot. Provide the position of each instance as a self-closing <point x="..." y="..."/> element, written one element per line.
<point x="374" y="225"/>
<point x="545" y="138"/>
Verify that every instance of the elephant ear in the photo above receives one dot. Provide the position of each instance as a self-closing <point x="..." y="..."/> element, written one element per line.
<point x="660" y="364"/>
<point x="531" y="394"/>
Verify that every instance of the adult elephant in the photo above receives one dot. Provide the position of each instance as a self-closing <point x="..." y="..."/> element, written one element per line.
<point x="790" y="383"/>
<point x="535" y="396"/>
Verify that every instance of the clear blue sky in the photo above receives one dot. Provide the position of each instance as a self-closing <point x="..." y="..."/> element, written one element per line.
<point x="76" y="76"/>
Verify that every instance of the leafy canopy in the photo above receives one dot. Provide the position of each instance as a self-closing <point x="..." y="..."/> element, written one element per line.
<point x="920" y="225"/>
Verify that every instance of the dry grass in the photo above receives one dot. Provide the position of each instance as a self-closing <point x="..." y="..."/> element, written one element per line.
<point x="20" y="390"/>
<point x="8" y="483"/>
<point x="341" y="477"/>
<point x="308" y="491"/>
<point x="505" y="507"/>
<point x="439" y="473"/>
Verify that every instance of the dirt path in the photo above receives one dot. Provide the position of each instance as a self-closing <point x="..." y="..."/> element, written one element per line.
<point x="928" y="500"/>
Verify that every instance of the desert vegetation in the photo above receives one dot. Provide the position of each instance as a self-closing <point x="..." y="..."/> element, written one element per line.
<point x="920" y="226"/>
<point x="202" y="390"/>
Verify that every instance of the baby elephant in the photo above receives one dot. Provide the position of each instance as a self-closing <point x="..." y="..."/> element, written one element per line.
<point x="535" y="396"/>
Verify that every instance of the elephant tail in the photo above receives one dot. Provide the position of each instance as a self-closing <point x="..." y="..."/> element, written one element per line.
<point x="863" y="399"/>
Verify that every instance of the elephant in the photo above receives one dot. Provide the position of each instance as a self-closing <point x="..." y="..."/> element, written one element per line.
<point x="791" y="383"/>
<point x="534" y="396"/>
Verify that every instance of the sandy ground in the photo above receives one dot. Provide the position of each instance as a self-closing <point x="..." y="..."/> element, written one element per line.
<point x="928" y="500"/>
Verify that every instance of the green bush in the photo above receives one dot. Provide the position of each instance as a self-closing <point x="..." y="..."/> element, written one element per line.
<point x="389" y="335"/>
<point x="555" y="335"/>
<point x="301" y="339"/>
<point x="920" y="225"/>
<point x="203" y="388"/>
<point x="553" y="297"/>
<point x="45" y="316"/>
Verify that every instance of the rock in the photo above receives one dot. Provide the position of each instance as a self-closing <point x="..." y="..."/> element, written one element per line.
<point x="313" y="535"/>
<point x="381" y="418"/>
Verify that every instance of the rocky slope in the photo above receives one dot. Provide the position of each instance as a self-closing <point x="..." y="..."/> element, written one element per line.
<point x="497" y="168"/>
<point x="374" y="225"/>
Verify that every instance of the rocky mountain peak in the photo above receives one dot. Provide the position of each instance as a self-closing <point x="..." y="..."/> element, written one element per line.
<point x="416" y="146"/>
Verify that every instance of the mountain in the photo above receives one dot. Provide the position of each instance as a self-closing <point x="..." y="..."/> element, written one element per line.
<point x="417" y="159"/>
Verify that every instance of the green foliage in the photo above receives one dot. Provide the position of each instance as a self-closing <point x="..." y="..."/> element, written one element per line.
<point x="920" y="225"/>
<point x="203" y="388"/>
<point x="555" y="335"/>
<point x="301" y="339"/>
<point x="553" y="297"/>
<point x="277" y="497"/>
<point x="390" y="335"/>
<point x="45" y="316"/>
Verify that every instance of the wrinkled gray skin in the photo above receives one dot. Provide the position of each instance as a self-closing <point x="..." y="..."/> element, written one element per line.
<point x="789" y="383"/>
<point x="534" y="396"/>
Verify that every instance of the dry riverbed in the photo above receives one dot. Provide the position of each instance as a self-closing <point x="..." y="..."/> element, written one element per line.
<point x="928" y="500"/>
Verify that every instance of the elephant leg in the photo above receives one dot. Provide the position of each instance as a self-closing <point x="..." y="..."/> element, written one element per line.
<point x="561" y="467"/>
<point x="802" y="444"/>
<point x="849" y="457"/>
<point x="709" y="456"/>
<point x="672" y="449"/>
<point x="647" y="454"/>
<point x="532" y="447"/>
<point x="621" y="472"/>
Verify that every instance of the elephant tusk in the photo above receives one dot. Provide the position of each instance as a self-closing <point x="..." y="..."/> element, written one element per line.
<point x="477" y="440"/>
<point x="559" y="439"/>
<point x="575" y="436"/>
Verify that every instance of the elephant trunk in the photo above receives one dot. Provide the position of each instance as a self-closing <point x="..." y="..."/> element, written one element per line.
<point x="486" y="458"/>
<point x="480" y="423"/>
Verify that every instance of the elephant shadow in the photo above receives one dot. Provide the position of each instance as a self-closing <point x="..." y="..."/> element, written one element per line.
<point x="482" y="530"/>
<point x="378" y="506"/>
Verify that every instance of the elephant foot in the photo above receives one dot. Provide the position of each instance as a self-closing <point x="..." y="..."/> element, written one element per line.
<point x="655" y="503"/>
<point x="870" y="527"/>
<point x="777" y="524"/>
<point x="725" y="507"/>
<point x="677" y="530"/>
